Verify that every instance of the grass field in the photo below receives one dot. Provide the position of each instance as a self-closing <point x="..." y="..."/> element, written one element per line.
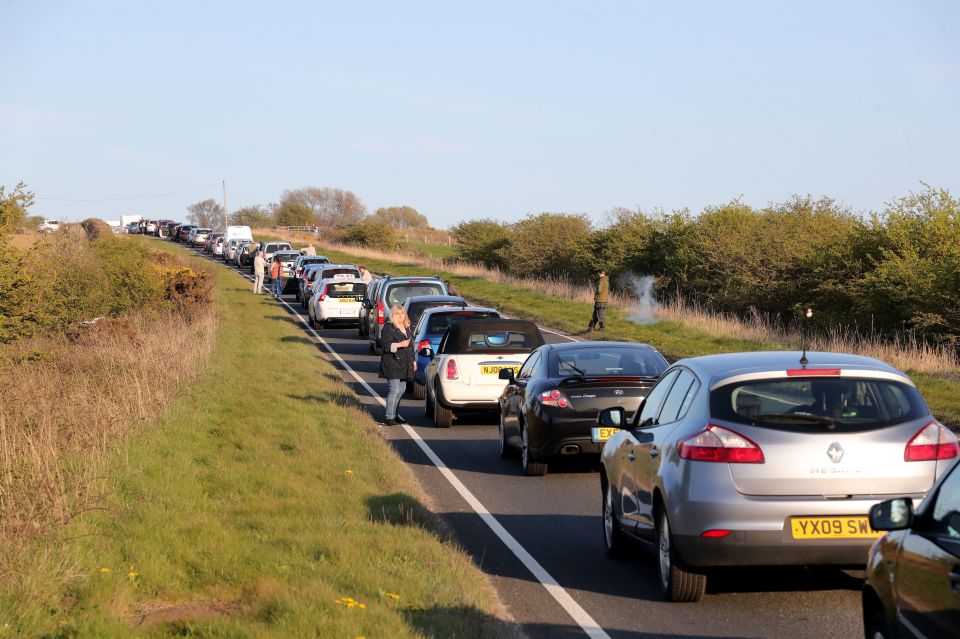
<point x="262" y="503"/>
<point x="674" y="339"/>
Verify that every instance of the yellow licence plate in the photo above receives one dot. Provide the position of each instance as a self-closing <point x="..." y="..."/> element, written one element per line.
<point x="832" y="528"/>
<point x="603" y="433"/>
<point x="346" y="300"/>
<point x="493" y="370"/>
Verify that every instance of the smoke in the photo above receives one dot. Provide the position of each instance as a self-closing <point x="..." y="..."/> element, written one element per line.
<point x="641" y="287"/>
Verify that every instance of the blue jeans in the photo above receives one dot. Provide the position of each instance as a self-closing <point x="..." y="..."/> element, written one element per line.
<point x="394" y="393"/>
<point x="278" y="286"/>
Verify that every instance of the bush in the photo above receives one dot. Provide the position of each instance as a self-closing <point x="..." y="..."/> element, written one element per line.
<point x="479" y="240"/>
<point x="372" y="234"/>
<point x="96" y="228"/>
<point x="549" y="245"/>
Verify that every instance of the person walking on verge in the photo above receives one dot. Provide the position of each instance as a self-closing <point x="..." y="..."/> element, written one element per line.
<point x="259" y="267"/>
<point x="309" y="250"/>
<point x="601" y="297"/>
<point x="365" y="274"/>
<point x="398" y="363"/>
<point x="276" y="277"/>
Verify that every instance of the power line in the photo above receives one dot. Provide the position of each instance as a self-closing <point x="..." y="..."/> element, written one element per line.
<point x="122" y="199"/>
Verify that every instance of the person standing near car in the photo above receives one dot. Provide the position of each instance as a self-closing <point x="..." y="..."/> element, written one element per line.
<point x="259" y="267"/>
<point x="365" y="275"/>
<point x="601" y="297"/>
<point x="276" y="277"/>
<point x="398" y="363"/>
<point x="309" y="250"/>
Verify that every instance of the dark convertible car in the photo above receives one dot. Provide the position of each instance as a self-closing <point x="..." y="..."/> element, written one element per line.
<point x="550" y="406"/>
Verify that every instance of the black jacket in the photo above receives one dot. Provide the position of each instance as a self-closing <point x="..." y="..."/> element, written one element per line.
<point x="397" y="365"/>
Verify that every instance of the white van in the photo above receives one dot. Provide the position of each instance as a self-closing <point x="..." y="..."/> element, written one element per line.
<point x="238" y="233"/>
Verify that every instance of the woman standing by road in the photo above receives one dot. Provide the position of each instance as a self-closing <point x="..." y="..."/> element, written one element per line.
<point x="397" y="364"/>
<point x="276" y="275"/>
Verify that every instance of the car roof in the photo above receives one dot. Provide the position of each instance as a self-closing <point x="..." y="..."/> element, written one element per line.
<point x="728" y="365"/>
<point x="458" y="336"/>
<point x="344" y="280"/>
<point x="410" y="278"/>
<point x="286" y="252"/>
<point x="353" y="266"/>
<point x="572" y="346"/>
<point x="434" y="298"/>
<point x="436" y="310"/>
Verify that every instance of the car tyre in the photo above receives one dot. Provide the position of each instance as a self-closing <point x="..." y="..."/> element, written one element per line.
<point x="875" y="623"/>
<point x="419" y="391"/>
<point x="442" y="416"/>
<point x="531" y="468"/>
<point x="428" y="407"/>
<point x="676" y="583"/>
<point x="506" y="450"/>
<point x="613" y="540"/>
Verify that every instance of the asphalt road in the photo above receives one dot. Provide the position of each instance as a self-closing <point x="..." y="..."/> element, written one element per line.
<point x="553" y="535"/>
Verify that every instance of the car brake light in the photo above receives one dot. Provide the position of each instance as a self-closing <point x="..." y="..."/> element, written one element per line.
<point x="813" y="372"/>
<point x="452" y="372"/>
<point x="424" y="343"/>
<point x="554" y="398"/>
<point x="933" y="441"/>
<point x="323" y="295"/>
<point x="380" y="313"/>
<point x="718" y="444"/>
<point x="714" y="534"/>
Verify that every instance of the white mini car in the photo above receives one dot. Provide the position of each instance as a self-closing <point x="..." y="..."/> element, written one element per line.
<point x="336" y="300"/>
<point x="464" y="374"/>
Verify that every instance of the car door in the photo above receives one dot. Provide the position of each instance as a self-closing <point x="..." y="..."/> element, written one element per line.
<point x="655" y="428"/>
<point x="626" y="455"/>
<point x="928" y="568"/>
<point x="515" y="394"/>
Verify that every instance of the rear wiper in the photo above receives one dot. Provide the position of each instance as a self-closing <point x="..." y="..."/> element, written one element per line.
<point x="820" y="420"/>
<point x="576" y="370"/>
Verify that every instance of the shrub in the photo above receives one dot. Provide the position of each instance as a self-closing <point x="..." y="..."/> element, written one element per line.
<point x="549" y="245"/>
<point x="96" y="228"/>
<point x="371" y="233"/>
<point x="479" y="240"/>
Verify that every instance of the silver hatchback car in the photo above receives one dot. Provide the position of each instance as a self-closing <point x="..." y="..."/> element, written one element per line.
<point x="759" y="459"/>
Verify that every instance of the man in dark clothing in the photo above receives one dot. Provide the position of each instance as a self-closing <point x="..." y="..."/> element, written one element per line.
<point x="601" y="297"/>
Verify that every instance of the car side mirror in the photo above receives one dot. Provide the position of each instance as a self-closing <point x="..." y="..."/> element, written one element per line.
<point x="426" y="351"/>
<point x="507" y="374"/>
<point x="893" y="514"/>
<point x="615" y="417"/>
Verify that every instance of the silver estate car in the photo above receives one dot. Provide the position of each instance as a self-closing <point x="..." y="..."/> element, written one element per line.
<point x="761" y="459"/>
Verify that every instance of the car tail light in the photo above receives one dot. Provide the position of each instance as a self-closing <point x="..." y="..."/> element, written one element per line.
<point x="424" y="343"/>
<point x="452" y="372"/>
<point x="718" y="444"/>
<point x="554" y="398"/>
<point x="380" y="313"/>
<point x="714" y="534"/>
<point x="933" y="441"/>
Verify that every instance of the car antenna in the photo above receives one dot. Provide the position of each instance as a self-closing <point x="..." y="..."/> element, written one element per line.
<point x="803" y="337"/>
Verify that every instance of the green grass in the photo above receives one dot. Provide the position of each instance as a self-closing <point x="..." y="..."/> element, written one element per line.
<point x="673" y="339"/>
<point x="260" y="505"/>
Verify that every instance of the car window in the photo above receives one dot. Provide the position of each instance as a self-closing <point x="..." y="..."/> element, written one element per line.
<point x="440" y="322"/>
<point x="607" y="361"/>
<point x="654" y="401"/>
<point x="496" y="340"/>
<point x="332" y="273"/>
<point x="945" y="517"/>
<point x="529" y="366"/>
<point x="679" y="398"/>
<point x="398" y="293"/>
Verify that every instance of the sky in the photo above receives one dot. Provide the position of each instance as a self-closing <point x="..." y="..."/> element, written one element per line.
<point x="477" y="110"/>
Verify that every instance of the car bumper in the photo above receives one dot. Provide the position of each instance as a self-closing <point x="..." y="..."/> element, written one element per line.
<point x="769" y="548"/>
<point x="551" y="434"/>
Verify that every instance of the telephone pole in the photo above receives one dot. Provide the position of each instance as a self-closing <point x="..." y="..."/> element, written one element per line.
<point x="226" y="216"/>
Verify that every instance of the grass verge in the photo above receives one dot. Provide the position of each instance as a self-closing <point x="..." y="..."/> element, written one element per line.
<point x="672" y="338"/>
<point x="262" y="503"/>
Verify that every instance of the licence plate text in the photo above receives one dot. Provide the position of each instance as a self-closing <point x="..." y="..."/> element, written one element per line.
<point x="603" y="433"/>
<point x="832" y="528"/>
<point x="495" y="370"/>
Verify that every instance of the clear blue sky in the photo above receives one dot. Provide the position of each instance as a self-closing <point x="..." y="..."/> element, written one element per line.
<point x="486" y="109"/>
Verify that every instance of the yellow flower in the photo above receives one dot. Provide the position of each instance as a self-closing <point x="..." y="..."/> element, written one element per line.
<point x="362" y="606"/>
<point x="133" y="574"/>
<point x="104" y="570"/>
<point x="393" y="596"/>
<point x="348" y="472"/>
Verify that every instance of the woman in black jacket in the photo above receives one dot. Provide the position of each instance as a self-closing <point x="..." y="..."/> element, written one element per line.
<point x="398" y="362"/>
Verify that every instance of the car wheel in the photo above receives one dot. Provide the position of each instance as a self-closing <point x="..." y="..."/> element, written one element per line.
<point x="676" y="584"/>
<point x="314" y="323"/>
<point x="360" y="329"/>
<point x="442" y="416"/>
<point x="531" y="468"/>
<point x="506" y="451"/>
<point x="613" y="540"/>
<point x="428" y="407"/>
<point x="875" y="623"/>
<point x="419" y="391"/>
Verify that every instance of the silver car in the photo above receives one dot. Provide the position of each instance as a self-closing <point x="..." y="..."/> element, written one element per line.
<point x="765" y="459"/>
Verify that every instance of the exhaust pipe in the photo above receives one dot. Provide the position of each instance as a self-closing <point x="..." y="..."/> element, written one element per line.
<point x="570" y="449"/>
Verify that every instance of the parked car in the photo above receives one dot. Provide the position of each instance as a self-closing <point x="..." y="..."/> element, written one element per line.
<point x="765" y="458"/>
<point x="184" y="232"/>
<point x="396" y="290"/>
<point x="430" y="329"/>
<point x="287" y="259"/>
<point x="150" y="228"/>
<point x="198" y="236"/>
<point x="230" y="250"/>
<point x="912" y="586"/>
<point x="269" y="248"/>
<point x="174" y="233"/>
<point x="335" y="300"/>
<point x="550" y="406"/>
<point x="317" y="272"/>
<point x="48" y="226"/>
<point x="216" y="248"/>
<point x="133" y="228"/>
<point x="299" y="265"/>
<point x="464" y="375"/>
<point x="245" y="253"/>
<point x="368" y="308"/>
<point x="416" y="305"/>
<point x="210" y="241"/>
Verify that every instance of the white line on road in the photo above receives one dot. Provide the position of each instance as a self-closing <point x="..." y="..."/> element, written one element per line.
<point x="558" y="592"/>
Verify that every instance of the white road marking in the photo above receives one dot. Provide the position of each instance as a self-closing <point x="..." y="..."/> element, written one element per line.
<point x="558" y="592"/>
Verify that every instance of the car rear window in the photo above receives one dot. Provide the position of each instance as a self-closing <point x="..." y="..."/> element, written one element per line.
<point x="607" y="362"/>
<point x="499" y="341"/>
<point x="346" y="289"/>
<point x="273" y="248"/>
<point x="398" y="293"/>
<point x="329" y="273"/>
<point x="440" y="322"/>
<point x="839" y="403"/>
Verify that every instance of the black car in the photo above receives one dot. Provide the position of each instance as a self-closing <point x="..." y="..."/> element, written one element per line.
<point x="912" y="588"/>
<point x="550" y="406"/>
<point x="416" y="305"/>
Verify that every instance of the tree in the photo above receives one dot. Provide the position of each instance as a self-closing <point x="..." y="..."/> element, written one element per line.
<point x="549" y="245"/>
<point x="13" y="208"/>
<point x="330" y="207"/>
<point x="371" y="233"/>
<point x="256" y="216"/>
<point x="402" y="217"/>
<point x="292" y="214"/>
<point x="479" y="240"/>
<point x="207" y="214"/>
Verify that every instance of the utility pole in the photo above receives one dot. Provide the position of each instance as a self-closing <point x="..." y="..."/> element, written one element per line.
<point x="226" y="216"/>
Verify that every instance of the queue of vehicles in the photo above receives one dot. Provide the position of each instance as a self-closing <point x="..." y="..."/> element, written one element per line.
<point x="744" y="459"/>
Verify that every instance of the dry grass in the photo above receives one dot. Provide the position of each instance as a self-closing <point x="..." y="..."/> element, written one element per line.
<point x="65" y="401"/>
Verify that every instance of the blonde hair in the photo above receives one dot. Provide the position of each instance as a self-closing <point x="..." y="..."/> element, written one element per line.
<point x="396" y="313"/>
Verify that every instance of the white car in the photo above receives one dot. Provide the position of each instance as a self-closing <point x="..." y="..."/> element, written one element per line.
<point x="336" y="300"/>
<point x="48" y="226"/>
<point x="198" y="236"/>
<point x="218" y="246"/>
<point x="464" y="374"/>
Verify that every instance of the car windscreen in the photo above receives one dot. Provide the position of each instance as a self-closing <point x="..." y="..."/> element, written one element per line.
<point x="607" y="361"/>
<point x="398" y="293"/>
<point x="273" y="248"/>
<point x="198" y="231"/>
<point x="440" y="322"/>
<point x="286" y="258"/>
<point x="797" y="404"/>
